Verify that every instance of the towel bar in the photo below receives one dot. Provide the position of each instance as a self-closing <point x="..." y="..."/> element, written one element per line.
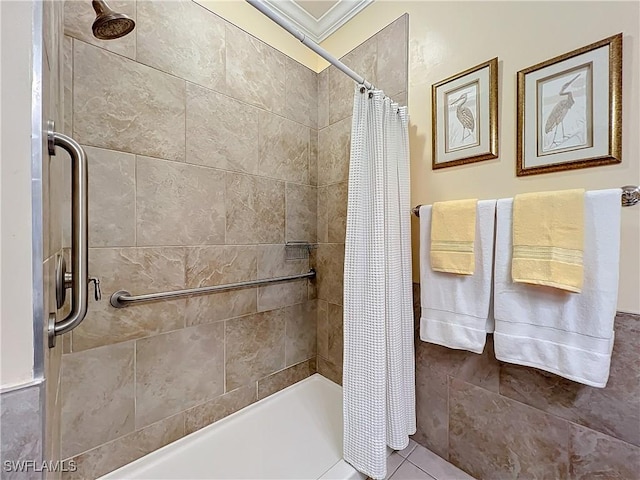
<point x="630" y="197"/>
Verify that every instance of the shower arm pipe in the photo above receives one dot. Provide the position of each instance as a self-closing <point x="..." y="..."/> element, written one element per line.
<point x="288" y="26"/>
<point x="78" y="279"/>
<point x="122" y="298"/>
<point x="630" y="197"/>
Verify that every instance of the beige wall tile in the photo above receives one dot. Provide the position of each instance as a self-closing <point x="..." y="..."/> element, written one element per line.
<point x="301" y="213"/>
<point x="255" y="72"/>
<point x="272" y="262"/>
<point x="281" y="295"/>
<point x="137" y="270"/>
<point x="79" y="16"/>
<point x="207" y="413"/>
<point x="329" y="370"/>
<point x="57" y="216"/>
<point x="285" y="378"/>
<point x="595" y="455"/>
<point x="614" y="410"/>
<point x="323" y="328"/>
<point x="301" y="330"/>
<point x="392" y="66"/>
<point x="361" y="59"/>
<point x="217" y="265"/>
<point x="336" y="198"/>
<point x="53" y="370"/>
<point x="21" y="436"/>
<point x="481" y="370"/>
<point x="508" y="439"/>
<point x="323" y="215"/>
<point x="179" y="204"/>
<point x="178" y="370"/>
<point x="334" y="143"/>
<point x="119" y="104"/>
<point x="335" y="334"/>
<point x="284" y="149"/>
<point x="301" y="93"/>
<point x="112" y="198"/>
<point x="221" y="132"/>
<point x="330" y="267"/>
<point x="124" y="450"/>
<point x="313" y="157"/>
<point x="400" y="98"/>
<point x="97" y="397"/>
<point x="323" y="98"/>
<point x="67" y="79"/>
<point x="184" y="39"/>
<point x="254" y="347"/>
<point x="432" y="412"/>
<point x="255" y="209"/>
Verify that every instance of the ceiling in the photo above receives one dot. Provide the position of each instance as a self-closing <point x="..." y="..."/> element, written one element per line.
<point x="318" y="18"/>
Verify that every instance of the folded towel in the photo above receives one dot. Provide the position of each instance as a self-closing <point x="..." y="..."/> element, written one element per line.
<point x="554" y="330"/>
<point x="548" y="239"/>
<point x="455" y="308"/>
<point x="453" y="231"/>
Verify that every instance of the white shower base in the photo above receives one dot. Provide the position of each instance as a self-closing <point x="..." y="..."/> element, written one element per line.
<point x="293" y="434"/>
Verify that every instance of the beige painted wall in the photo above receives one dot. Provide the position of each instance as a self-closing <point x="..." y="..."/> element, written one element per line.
<point x="448" y="37"/>
<point x="16" y="330"/>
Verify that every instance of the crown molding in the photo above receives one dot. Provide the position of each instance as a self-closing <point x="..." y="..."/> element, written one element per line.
<point x="318" y="29"/>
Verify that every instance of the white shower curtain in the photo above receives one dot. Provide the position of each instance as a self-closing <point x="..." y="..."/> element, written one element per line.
<point x="379" y="365"/>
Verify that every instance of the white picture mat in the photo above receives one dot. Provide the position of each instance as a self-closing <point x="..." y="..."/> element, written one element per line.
<point x="601" y="121"/>
<point x="482" y="76"/>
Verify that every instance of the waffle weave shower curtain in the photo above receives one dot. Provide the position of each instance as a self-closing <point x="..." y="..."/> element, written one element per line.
<point x="379" y="366"/>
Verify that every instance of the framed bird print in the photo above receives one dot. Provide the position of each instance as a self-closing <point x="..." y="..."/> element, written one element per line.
<point x="570" y="110"/>
<point x="465" y="116"/>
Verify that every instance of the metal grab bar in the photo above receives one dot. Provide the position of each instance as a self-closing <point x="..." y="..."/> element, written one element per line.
<point x="79" y="277"/>
<point x="122" y="298"/>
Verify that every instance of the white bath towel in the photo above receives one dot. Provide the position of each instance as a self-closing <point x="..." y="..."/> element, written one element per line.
<point x="565" y="333"/>
<point x="456" y="308"/>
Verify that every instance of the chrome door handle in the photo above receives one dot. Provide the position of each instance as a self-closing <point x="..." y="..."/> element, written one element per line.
<point x="79" y="237"/>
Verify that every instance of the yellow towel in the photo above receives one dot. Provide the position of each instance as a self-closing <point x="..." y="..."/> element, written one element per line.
<point x="548" y="239"/>
<point x="453" y="233"/>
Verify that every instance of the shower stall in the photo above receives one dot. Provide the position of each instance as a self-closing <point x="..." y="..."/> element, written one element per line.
<point x="212" y="160"/>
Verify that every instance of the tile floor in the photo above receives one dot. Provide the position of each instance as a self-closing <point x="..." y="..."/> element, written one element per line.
<point x="417" y="463"/>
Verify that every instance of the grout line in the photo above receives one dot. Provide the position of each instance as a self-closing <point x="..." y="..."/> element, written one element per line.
<point x="135" y="381"/>
<point x="173" y="75"/>
<point x="224" y="358"/>
<point x="219" y="169"/>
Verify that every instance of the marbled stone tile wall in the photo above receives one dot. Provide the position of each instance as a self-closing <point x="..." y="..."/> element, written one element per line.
<point x="202" y="147"/>
<point x="21" y="437"/>
<point x="501" y="421"/>
<point x="56" y="174"/>
<point x="382" y="60"/>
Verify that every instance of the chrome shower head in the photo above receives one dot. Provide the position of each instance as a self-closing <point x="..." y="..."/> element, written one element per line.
<point x="108" y="24"/>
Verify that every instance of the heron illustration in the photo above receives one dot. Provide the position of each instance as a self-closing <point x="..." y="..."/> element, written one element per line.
<point x="559" y="112"/>
<point x="465" y="117"/>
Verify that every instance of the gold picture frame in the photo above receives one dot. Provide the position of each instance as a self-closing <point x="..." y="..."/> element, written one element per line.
<point x="465" y="117"/>
<point x="569" y="112"/>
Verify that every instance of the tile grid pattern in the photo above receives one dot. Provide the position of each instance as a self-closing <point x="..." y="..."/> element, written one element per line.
<point x="496" y="420"/>
<point x="417" y="463"/>
<point x="202" y="145"/>
<point x="382" y="60"/>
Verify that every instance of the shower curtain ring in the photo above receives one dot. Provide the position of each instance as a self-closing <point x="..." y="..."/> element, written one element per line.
<point x="370" y="94"/>
<point x="362" y="89"/>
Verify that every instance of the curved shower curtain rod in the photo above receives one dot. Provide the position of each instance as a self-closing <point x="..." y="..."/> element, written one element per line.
<point x="288" y="26"/>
